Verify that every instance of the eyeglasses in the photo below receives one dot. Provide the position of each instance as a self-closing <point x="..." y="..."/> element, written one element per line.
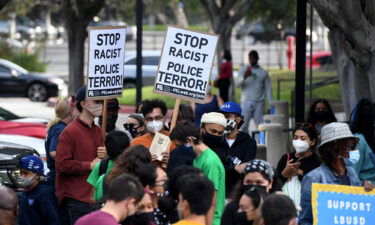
<point x="129" y="126"/>
<point x="157" y="118"/>
<point x="161" y="182"/>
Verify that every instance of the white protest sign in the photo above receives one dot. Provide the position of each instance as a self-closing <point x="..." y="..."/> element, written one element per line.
<point x="106" y="62"/>
<point x="185" y="64"/>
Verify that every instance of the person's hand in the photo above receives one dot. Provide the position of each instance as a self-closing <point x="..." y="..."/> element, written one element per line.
<point x="368" y="186"/>
<point x="101" y="152"/>
<point x="240" y="168"/>
<point x="290" y="169"/>
<point x="94" y="162"/>
<point x="165" y="157"/>
<point x="247" y="74"/>
<point x="154" y="157"/>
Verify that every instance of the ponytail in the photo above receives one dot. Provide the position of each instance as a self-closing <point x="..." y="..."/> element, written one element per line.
<point x="62" y="110"/>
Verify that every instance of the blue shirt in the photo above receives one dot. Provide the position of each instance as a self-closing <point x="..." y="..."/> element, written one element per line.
<point x="364" y="167"/>
<point x="322" y="175"/>
<point x="201" y="109"/>
<point x="38" y="206"/>
<point x="51" y="146"/>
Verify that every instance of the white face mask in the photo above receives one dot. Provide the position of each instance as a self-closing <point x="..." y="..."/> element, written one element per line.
<point x="95" y="109"/>
<point x="300" y="146"/>
<point x="155" y="126"/>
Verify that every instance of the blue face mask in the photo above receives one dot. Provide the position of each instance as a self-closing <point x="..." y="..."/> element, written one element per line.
<point x="353" y="158"/>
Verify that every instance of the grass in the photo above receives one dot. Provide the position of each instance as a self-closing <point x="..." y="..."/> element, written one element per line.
<point x="330" y="92"/>
<point x="159" y="27"/>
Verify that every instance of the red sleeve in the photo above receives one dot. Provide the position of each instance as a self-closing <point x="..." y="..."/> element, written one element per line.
<point x="225" y="70"/>
<point x="65" y="163"/>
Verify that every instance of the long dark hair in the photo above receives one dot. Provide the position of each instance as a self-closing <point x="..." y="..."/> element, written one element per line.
<point x="129" y="161"/>
<point x="309" y="129"/>
<point x="227" y="55"/>
<point x="362" y="120"/>
<point x="311" y="118"/>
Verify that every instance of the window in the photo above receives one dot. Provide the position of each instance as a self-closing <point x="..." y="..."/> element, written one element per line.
<point x="146" y="61"/>
<point x="151" y="60"/>
<point x="4" y="69"/>
<point x="131" y="62"/>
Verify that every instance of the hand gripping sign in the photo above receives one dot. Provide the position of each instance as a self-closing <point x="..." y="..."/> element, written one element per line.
<point x="105" y="68"/>
<point x="185" y="64"/>
<point x="106" y="62"/>
<point x="340" y="204"/>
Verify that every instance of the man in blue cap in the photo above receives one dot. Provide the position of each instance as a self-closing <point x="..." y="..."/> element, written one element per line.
<point x="38" y="203"/>
<point x="236" y="148"/>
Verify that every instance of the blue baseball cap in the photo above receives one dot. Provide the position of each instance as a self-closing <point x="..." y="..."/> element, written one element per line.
<point x="231" y="107"/>
<point x="32" y="163"/>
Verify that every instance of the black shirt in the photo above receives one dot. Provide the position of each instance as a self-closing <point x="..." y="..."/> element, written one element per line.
<point x="244" y="148"/>
<point x="307" y="164"/>
<point x="229" y="216"/>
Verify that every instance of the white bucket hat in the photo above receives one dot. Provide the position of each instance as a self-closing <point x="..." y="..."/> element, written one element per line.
<point x="335" y="131"/>
<point x="215" y="118"/>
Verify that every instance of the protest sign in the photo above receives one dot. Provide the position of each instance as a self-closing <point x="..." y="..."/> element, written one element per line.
<point x="105" y="62"/>
<point x="161" y="143"/>
<point x="340" y="204"/>
<point x="185" y="64"/>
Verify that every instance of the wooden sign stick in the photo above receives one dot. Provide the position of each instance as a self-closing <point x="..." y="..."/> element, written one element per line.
<point x="175" y="114"/>
<point x="104" y="120"/>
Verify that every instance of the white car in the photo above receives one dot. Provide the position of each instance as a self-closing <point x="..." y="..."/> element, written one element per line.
<point x="150" y="62"/>
<point x="34" y="143"/>
<point x="7" y="115"/>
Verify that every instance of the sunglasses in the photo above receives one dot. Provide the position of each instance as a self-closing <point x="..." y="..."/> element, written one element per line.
<point x="129" y="126"/>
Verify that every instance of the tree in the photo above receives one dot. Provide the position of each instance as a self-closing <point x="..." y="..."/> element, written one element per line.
<point x="352" y="39"/>
<point x="224" y="15"/>
<point x="77" y="14"/>
<point x="3" y="3"/>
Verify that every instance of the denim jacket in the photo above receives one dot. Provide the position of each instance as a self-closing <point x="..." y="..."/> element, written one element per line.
<point x="322" y="175"/>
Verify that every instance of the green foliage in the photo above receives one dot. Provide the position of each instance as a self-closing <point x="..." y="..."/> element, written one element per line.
<point x="330" y="92"/>
<point x="29" y="61"/>
<point x="273" y="12"/>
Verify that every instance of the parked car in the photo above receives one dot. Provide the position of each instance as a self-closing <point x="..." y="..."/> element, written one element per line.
<point x="26" y="129"/>
<point x="7" y="115"/>
<point x="320" y="59"/>
<point x="10" y="154"/>
<point x="31" y="142"/>
<point x="150" y="62"/>
<point x="17" y="81"/>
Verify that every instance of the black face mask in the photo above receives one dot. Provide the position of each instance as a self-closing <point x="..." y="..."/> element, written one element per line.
<point x="246" y="187"/>
<point x="111" y="121"/>
<point x="321" y="116"/>
<point x="242" y="219"/>
<point x="210" y="139"/>
<point x="133" y="131"/>
<point x="139" y="219"/>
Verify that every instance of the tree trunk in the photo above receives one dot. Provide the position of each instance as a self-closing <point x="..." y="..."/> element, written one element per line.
<point x="179" y="13"/>
<point x="354" y="80"/>
<point x="76" y="44"/>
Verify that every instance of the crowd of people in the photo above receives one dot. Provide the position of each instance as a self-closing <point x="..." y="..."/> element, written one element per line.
<point x="209" y="175"/>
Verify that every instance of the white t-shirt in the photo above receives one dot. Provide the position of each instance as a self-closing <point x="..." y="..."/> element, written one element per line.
<point x="230" y="142"/>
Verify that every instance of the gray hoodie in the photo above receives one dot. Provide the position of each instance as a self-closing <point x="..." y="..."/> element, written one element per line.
<point x="256" y="87"/>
